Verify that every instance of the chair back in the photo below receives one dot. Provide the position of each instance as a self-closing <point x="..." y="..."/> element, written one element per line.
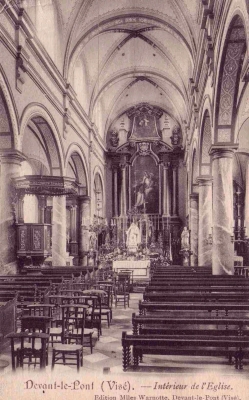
<point x="73" y="323"/>
<point x="33" y="323"/>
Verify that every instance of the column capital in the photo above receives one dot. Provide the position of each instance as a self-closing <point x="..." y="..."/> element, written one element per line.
<point x="122" y="165"/>
<point x="166" y="165"/>
<point x="175" y="164"/>
<point x="42" y="200"/>
<point x="84" y="199"/>
<point x="204" y="180"/>
<point x="222" y="151"/>
<point x="194" y="196"/>
<point x="12" y="156"/>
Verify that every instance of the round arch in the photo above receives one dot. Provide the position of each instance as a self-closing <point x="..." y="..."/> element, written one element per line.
<point x="234" y="39"/>
<point x="74" y="148"/>
<point x="11" y="111"/>
<point x="39" y="115"/>
<point x="205" y="143"/>
<point x="129" y="72"/>
<point x="98" y="172"/>
<point x="107" y="22"/>
<point x="194" y="168"/>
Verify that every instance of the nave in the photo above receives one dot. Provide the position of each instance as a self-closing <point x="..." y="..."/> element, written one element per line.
<point x="182" y="321"/>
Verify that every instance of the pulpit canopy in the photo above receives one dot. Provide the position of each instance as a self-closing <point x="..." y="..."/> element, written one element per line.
<point x="47" y="185"/>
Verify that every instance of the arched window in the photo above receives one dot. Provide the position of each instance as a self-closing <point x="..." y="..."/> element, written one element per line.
<point x="98" y="196"/>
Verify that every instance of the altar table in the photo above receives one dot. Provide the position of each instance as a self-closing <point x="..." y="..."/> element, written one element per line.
<point x="140" y="268"/>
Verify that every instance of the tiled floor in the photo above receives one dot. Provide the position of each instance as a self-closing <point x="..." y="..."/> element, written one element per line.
<point x="107" y="353"/>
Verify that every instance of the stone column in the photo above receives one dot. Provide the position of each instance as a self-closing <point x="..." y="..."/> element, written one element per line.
<point x="223" y="248"/>
<point x="73" y="230"/>
<point x="59" y="232"/>
<point x="205" y="221"/>
<point x="166" y="212"/>
<point x="193" y="226"/>
<point x="175" y="182"/>
<point x="247" y="200"/>
<point x="10" y="168"/>
<point x="42" y="202"/>
<point x="123" y="192"/>
<point x="115" y="191"/>
<point x="20" y="214"/>
<point x="85" y="222"/>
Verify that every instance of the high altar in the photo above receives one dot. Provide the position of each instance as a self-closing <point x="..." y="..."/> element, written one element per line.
<point x="145" y="171"/>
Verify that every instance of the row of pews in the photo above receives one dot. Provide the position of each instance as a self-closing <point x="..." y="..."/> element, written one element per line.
<point x="68" y="313"/>
<point x="188" y="311"/>
<point x="19" y="291"/>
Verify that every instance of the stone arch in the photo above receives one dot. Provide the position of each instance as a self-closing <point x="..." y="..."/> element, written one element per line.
<point x="243" y="137"/>
<point x="39" y="116"/>
<point x="97" y="173"/>
<point x="76" y="155"/>
<point x="9" y="118"/>
<point x="205" y="144"/>
<point x="111" y="21"/>
<point x="194" y="170"/>
<point x="228" y="80"/>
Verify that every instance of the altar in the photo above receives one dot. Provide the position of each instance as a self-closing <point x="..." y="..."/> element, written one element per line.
<point x="140" y="268"/>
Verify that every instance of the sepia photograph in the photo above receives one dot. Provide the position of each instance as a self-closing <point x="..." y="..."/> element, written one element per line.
<point x="124" y="199"/>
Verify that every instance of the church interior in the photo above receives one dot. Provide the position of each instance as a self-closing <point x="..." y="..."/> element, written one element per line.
<point x="124" y="185"/>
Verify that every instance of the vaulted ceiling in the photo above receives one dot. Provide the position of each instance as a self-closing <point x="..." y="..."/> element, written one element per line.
<point x="131" y="51"/>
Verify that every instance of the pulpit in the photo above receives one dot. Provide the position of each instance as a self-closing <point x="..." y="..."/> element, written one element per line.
<point x="33" y="243"/>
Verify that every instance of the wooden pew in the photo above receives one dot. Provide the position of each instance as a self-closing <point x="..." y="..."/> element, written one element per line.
<point x="216" y="346"/>
<point x="197" y="325"/>
<point x="146" y="307"/>
<point x="180" y="297"/>
<point x="198" y="289"/>
<point x="7" y="320"/>
<point x="200" y="282"/>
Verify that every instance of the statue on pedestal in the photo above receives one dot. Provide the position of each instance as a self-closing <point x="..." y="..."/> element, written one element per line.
<point x="93" y="240"/>
<point x="185" y="248"/>
<point x="133" y="238"/>
<point x="185" y="239"/>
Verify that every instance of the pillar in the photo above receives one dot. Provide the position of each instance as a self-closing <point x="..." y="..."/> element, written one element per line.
<point x="10" y="168"/>
<point x="166" y="212"/>
<point x="115" y="191"/>
<point x="175" y="183"/>
<point x="123" y="192"/>
<point x="247" y="200"/>
<point x="42" y="202"/>
<point x="223" y="248"/>
<point x="205" y="221"/>
<point x="59" y="233"/>
<point x="20" y="213"/>
<point x="85" y="223"/>
<point x="73" y="230"/>
<point x="193" y="226"/>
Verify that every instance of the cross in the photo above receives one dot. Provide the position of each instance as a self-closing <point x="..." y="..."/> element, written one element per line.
<point x="144" y="121"/>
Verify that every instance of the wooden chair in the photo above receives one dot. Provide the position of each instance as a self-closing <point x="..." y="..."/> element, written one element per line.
<point x="78" y="298"/>
<point x="37" y="351"/>
<point x="93" y="319"/>
<point x="73" y="324"/>
<point x="122" y="294"/>
<point x="32" y="349"/>
<point x="106" y="302"/>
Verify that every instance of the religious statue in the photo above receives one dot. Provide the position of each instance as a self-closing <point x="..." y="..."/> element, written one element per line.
<point x="114" y="139"/>
<point x="93" y="241"/>
<point x="133" y="237"/>
<point x="185" y="239"/>
<point x="176" y="135"/>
